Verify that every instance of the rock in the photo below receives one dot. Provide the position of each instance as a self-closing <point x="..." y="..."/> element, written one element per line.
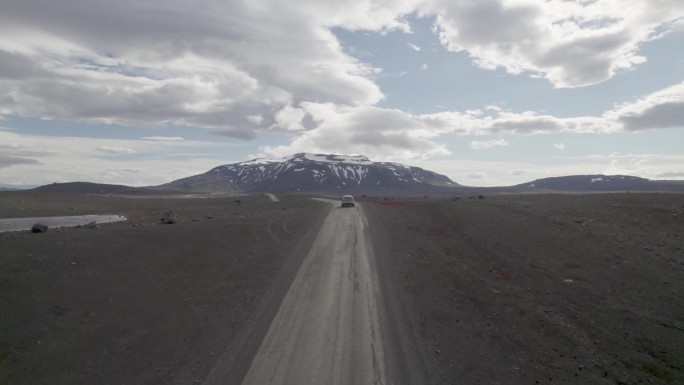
<point x="39" y="228"/>
<point x="480" y="197"/>
<point x="91" y="225"/>
<point x="169" y="218"/>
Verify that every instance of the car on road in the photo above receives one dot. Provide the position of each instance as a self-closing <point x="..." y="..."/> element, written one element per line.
<point x="348" y="201"/>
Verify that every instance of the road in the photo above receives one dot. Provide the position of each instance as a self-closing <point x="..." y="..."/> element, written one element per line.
<point x="327" y="329"/>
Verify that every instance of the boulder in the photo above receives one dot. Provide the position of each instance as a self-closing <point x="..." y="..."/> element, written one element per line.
<point x="91" y="225"/>
<point x="39" y="228"/>
<point x="169" y="218"/>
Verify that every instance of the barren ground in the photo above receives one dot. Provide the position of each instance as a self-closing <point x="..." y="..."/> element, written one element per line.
<point x="150" y="304"/>
<point x="541" y="289"/>
<point x="577" y="289"/>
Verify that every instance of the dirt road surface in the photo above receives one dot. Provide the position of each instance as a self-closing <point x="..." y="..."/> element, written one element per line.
<point x="326" y="330"/>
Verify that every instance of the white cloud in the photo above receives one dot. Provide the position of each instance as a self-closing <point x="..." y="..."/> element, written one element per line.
<point x="241" y="67"/>
<point x="485" y="145"/>
<point x="214" y="65"/>
<point x="559" y="146"/>
<point x="290" y="119"/>
<point x="376" y="132"/>
<point x="661" y="109"/>
<point x="165" y="138"/>
<point x="385" y="133"/>
<point x="424" y="66"/>
<point x="414" y="47"/>
<point x="570" y="43"/>
<point x="255" y="119"/>
<point x="38" y="160"/>
<point x="207" y="66"/>
<point x="115" y="150"/>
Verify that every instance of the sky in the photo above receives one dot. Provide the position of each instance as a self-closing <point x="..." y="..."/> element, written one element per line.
<point x="487" y="92"/>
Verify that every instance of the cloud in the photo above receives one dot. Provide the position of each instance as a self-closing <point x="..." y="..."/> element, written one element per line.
<point x="67" y="159"/>
<point x="485" y="145"/>
<point x="673" y="174"/>
<point x="661" y="109"/>
<point x="559" y="146"/>
<point x="290" y="119"/>
<point x="476" y="176"/>
<point x="385" y="133"/>
<point x="376" y="132"/>
<point x="235" y="133"/>
<point x="424" y="66"/>
<point x="414" y="47"/>
<point x="570" y="43"/>
<point x="238" y="68"/>
<point x="164" y="138"/>
<point x="255" y="119"/>
<point x="7" y="161"/>
<point x="115" y="150"/>
<point x="213" y="66"/>
<point x="223" y="64"/>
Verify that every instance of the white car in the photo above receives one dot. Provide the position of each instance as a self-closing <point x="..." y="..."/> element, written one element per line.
<point x="347" y="201"/>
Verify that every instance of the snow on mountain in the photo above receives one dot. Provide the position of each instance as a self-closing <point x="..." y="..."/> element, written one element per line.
<point x="593" y="183"/>
<point x="306" y="172"/>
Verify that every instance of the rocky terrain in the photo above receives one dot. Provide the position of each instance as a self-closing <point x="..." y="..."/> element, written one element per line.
<point x="508" y="289"/>
<point x="540" y="289"/>
<point x="141" y="302"/>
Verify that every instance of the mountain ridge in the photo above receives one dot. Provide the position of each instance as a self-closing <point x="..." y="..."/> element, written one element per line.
<point x="331" y="174"/>
<point x="318" y="173"/>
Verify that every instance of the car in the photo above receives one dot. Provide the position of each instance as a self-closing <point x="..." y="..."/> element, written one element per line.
<point x="348" y="201"/>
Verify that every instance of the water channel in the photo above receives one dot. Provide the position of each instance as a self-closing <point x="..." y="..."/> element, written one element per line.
<point x="20" y="224"/>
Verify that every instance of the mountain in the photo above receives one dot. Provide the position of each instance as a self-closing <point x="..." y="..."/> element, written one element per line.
<point x="316" y="173"/>
<point x="96" y="189"/>
<point x="599" y="183"/>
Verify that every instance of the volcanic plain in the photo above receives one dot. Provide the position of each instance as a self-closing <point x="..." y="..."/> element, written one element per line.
<point x="508" y="289"/>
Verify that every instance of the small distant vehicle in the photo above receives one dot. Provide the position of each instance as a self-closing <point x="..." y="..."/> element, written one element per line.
<point x="348" y="201"/>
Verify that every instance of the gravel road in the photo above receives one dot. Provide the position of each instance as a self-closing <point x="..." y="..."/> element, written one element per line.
<point x="327" y="330"/>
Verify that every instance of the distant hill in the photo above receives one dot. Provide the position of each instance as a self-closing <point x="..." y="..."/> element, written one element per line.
<point x="95" y="189"/>
<point x="315" y="173"/>
<point x="338" y="174"/>
<point x="599" y="183"/>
